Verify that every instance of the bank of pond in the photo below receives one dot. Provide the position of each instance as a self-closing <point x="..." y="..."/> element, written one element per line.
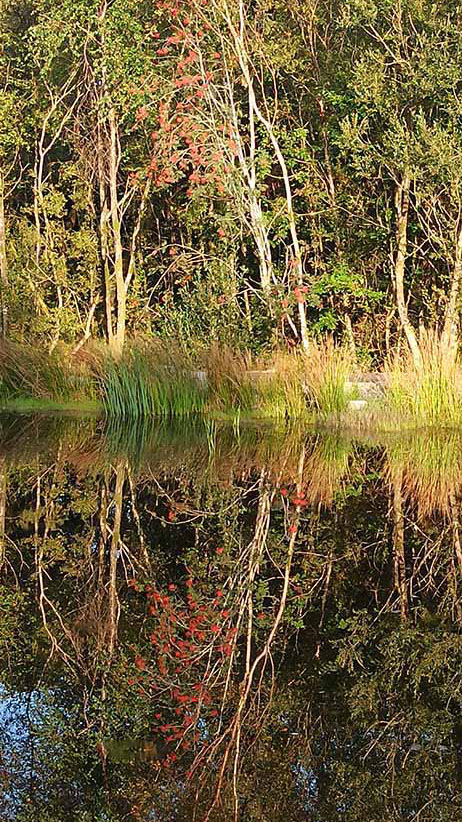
<point x="326" y="384"/>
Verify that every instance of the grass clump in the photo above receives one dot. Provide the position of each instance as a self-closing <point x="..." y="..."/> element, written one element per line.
<point x="280" y="392"/>
<point x="327" y="369"/>
<point x="430" y="394"/>
<point x="230" y="385"/>
<point x="30" y="373"/>
<point x="150" y="381"/>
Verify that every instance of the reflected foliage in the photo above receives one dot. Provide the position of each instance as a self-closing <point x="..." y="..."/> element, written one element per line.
<point x="228" y="623"/>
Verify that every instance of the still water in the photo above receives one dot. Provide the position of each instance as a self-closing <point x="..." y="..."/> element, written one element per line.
<point x="208" y="622"/>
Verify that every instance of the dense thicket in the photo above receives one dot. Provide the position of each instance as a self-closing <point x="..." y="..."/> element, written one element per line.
<point x="238" y="172"/>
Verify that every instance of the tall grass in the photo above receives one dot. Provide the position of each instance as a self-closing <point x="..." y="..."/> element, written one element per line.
<point x="26" y="371"/>
<point x="280" y="391"/>
<point x="154" y="380"/>
<point x="327" y="368"/>
<point x="150" y="381"/>
<point x="432" y="394"/>
<point x="229" y="384"/>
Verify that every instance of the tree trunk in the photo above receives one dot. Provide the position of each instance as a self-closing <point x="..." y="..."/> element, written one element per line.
<point x="399" y="562"/>
<point x="3" y="261"/>
<point x="113" y="557"/>
<point x="402" y="211"/>
<point x="121" y="291"/>
<point x="450" y="335"/>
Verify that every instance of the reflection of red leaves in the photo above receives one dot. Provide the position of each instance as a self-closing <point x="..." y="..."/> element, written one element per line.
<point x="293" y="529"/>
<point x="284" y="492"/>
<point x="140" y="663"/>
<point x="141" y="114"/>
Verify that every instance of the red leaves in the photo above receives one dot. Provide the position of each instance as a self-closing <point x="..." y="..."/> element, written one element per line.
<point x="140" y="663"/>
<point x="141" y="114"/>
<point x="233" y="147"/>
<point x="300" y="292"/>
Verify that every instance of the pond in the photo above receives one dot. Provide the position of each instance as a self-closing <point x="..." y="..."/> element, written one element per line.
<point x="215" y="622"/>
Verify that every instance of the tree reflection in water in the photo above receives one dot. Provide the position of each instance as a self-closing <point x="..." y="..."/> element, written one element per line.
<point x="211" y="623"/>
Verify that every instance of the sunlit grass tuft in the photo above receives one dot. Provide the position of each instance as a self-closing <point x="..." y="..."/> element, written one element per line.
<point x="327" y="369"/>
<point x="28" y="372"/>
<point x="150" y="381"/>
<point x="432" y="394"/>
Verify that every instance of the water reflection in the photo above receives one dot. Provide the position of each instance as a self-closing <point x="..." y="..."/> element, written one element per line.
<point x="205" y="622"/>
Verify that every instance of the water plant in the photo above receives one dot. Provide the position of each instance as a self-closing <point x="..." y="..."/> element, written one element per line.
<point x="150" y="381"/>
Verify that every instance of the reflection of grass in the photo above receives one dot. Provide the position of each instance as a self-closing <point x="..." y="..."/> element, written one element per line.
<point x="431" y="464"/>
<point x="195" y="449"/>
<point x="326" y="467"/>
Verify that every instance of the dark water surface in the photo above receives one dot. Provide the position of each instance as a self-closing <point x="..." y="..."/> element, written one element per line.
<point x="211" y="622"/>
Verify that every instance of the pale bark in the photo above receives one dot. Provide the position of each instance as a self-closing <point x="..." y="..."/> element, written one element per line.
<point x="3" y="487"/>
<point x="399" y="561"/>
<point x="121" y="292"/>
<point x="240" y="47"/>
<point x="113" y="556"/>
<point x="402" y="212"/>
<point x="3" y="260"/>
<point x="450" y="334"/>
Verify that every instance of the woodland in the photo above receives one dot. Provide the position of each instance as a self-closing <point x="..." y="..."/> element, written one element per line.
<point x="256" y="174"/>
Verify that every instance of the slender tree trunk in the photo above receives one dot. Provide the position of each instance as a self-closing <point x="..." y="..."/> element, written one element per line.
<point x="260" y="234"/>
<point x="2" y="512"/>
<point x="3" y="261"/>
<point x="450" y="335"/>
<point x="121" y="291"/>
<point x="114" y="548"/>
<point x="402" y="212"/>
<point x="399" y="562"/>
<point x="104" y="235"/>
